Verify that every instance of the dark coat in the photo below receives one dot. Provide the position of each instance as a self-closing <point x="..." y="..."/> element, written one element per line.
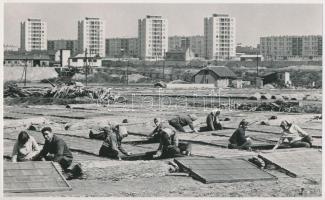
<point x="238" y="137"/>
<point x="57" y="147"/>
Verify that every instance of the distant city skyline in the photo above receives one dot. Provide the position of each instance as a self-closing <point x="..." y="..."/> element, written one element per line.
<point x="121" y="20"/>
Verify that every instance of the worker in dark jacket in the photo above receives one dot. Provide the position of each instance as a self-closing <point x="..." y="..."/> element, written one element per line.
<point x="213" y="121"/>
<point x="155" y="135"/>
<point x="168" y="146"/>
<point x="180" y="121"/>
<point x="238" y="140"/>
<point x="112" y="144"/>
<point x="55" y="149"/>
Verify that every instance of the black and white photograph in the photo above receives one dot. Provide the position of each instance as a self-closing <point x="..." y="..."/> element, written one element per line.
<point x="162" y="99"/>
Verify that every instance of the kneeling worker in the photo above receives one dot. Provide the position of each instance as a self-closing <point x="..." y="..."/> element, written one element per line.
<point x="112" y="144"/>
<point x="213" y="121"/>
<point x="168" y="146"/>
<point x="238" y="140"/>
<point x="294" y="136"/>
<point x="55" y="149"/>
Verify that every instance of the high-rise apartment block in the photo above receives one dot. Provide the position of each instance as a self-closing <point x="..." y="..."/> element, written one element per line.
<point x="220" y="37"/>
<point x="152" y="37"/>
<point x="33" y="35"/>
<point x="91" y="36"/>
<point x="122" y="47"/>
<point x="291" y="47"/>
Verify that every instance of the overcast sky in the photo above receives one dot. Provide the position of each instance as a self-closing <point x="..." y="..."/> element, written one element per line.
<point x="253" y="20"/>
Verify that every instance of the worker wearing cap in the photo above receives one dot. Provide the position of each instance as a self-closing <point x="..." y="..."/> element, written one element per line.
<point x="112" y="144"/>
<point x="238" y="140"/>
<point x="168" y="146"/>
<point x="213" y="121"/>
<point x="294" y="136"/>
<point x="180" y="121"/>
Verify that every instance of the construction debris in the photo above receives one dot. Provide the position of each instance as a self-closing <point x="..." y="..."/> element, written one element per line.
<point x="279" y="106"/>
<point x="63" y="91"/>
<point x="11" y="89"/>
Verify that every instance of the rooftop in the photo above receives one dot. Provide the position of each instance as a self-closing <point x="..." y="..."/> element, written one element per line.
<point x="220" y="71"/>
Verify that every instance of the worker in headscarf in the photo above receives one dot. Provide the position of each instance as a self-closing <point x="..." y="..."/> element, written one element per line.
<point x="102" y="131"/>
<point x="180" y="121"/>
<point x="155" y="134"/>
<point x="112" y="144"/>
<point x="168" y="146"/>
<point x="213" y="121"/>
<point x="239" y="140"/>
<point x="293" y="135"/>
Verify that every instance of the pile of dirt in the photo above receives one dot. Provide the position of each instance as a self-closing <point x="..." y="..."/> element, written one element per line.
<point x="277" y="97"/>
<point x="268" y="86"/>
<point x="313" y="97"/>
<point x="255" y="96"/>
<point x="266" y="96"/>
<point x="137" y="78"/>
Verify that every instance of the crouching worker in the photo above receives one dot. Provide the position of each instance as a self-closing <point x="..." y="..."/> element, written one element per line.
<point x="238" y="140"/>
<point x="155" y="135"/>
<point x="168" y="146"/>
<point x="102" y="133"/>
<point x="293" y="135"/>
<point x="55" y="149"/>
<point x="180" y="121"/>
<point x="25" y="148"/>
<point x="112" y="144"/>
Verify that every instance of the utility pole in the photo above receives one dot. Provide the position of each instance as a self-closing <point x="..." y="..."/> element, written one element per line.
<point x="25" y="73"/>
<point x="86" y="67"/>
<point x="164" y="64"/>
<point x="257" y="77"/>
<point x="127" y="73"/>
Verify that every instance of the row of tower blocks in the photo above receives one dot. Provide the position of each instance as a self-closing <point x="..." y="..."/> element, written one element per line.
<point x="152" y="43"/>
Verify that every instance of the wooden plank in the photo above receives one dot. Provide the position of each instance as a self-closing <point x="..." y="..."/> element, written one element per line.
<point x="36" y="176"/>
<point x="211" y="170"/>
<point x="302" y="162"/>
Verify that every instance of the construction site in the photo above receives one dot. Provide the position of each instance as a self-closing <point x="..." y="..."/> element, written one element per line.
<point x="210" y="170"/>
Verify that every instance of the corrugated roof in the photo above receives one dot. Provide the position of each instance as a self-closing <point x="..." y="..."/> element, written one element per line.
<point x="220" y="71"/>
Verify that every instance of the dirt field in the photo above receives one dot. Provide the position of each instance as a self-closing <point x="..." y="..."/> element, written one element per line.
<point x="150" y="178"/>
